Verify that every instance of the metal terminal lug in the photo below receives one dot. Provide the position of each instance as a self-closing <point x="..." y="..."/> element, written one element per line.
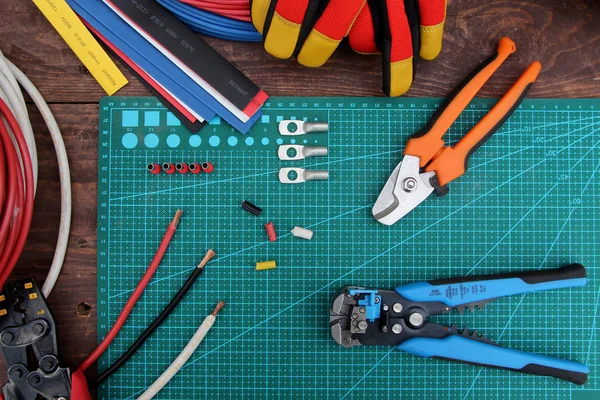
<point x="299" y="152"/>
<point x="301" y="127"/>
<point x="302" y="175"/>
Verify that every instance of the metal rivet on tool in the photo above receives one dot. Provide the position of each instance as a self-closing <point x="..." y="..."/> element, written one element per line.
<point x="416" y="319"/>
<point x="356" y="330"/>
<point x="397" y="328"/>
<point x="354" y="316"/>
<point x="35" y="380"/>
<point x="8" y="337"/>
<point x="376" y="300"/>
<point x="347" y="340"/>
<point x="409" y="184"/>
<point x="398" y="308"/>
<point x="61" y="398"/>
<point x="362" y="310"/>
<point x="362" y="325"/>
<point x="384" y="328"/>
<point x="18" y="373"/>
<point x="386" y="307"/>
<point x="38" y="328"/>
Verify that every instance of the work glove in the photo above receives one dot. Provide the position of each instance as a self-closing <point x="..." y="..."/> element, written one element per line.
<point x="311" y="30"/>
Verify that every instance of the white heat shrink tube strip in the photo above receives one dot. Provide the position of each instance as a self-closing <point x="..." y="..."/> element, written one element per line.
<point x="10" y="79"/>
<point x="182" y="358"/>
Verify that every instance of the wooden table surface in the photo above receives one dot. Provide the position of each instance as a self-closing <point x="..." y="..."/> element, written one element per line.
<point x="564" y="35"/>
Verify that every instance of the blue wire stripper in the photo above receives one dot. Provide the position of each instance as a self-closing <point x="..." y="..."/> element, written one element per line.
<point x="398" y="318"/>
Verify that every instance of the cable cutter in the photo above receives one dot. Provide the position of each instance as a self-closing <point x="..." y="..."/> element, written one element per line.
<point x="427" y="165"/>
<point x="375" y="317"/>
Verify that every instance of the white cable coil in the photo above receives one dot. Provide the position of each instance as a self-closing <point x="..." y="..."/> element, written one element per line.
<point x="10" y="79"/>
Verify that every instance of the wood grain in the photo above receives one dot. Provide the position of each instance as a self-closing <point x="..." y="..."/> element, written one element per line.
<point x="563" y="35"/>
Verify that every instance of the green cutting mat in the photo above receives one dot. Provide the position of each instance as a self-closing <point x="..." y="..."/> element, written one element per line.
<point x="530" y="200"/>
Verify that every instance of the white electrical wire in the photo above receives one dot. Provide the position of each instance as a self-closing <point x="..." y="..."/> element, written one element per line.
<point x="182" y="358"/>
<point x="10" y="79"/>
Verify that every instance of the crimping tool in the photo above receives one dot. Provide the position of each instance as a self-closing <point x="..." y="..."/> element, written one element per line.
<point x="373" y="317"/>
<point x="28" y="343"/>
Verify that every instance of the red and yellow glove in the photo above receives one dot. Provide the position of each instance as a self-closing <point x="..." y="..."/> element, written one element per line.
<point x="311" y="30"/>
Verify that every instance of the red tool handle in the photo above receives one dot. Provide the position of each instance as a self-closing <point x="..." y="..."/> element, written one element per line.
<point x="426" y="143"/>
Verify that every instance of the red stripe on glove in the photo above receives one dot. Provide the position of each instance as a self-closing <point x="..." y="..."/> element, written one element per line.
<point x="292" y="10"/>
<point x="433" y="12"/>
<point x="362" y="34"/>
<point x="338" y="17"/>
<point x="400" y="31"/>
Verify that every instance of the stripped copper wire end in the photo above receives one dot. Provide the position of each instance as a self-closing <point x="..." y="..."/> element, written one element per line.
<point x="207" y="257"/>
<point x="217" y="308"/>
<point x="176" y="218"/>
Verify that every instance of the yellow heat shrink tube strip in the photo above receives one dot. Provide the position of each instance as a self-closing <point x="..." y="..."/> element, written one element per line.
<point x="264" y="265"/>
<point x="83" y="44"/>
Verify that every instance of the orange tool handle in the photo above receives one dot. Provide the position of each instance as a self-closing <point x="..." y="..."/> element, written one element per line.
<point x="426" y="143"/>
<point x="452" y="162"/>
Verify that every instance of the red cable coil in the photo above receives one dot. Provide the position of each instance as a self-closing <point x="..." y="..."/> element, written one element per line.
<point x="17" y="191"/>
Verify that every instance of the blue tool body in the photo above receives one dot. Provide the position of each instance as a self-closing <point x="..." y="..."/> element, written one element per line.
<point x="467" y="350"/>
<point x="398" y="317"/>
<point x="471" y="292"/>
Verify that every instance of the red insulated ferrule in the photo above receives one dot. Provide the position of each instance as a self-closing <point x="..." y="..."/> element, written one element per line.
<point x="271" y="231"/>
<point x="154" y="168"/>
<point x="195" y="168"/>
<point x="182" y="168"/>
<point x="168" y="168"/>
<point x="208" y="167"/>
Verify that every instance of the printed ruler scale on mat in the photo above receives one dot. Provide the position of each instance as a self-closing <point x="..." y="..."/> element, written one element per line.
<point x="530" y="200"/>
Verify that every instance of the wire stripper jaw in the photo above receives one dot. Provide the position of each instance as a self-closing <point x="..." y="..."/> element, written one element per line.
<point x="372" y="317"/>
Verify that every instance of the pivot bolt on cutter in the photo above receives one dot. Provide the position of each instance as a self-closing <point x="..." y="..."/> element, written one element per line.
<point x="427" y="165"/>
<point x="374" y="317"/>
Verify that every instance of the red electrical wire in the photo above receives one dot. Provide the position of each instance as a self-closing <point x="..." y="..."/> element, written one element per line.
<point x="164" y="244"/>
<point x="234" y="9"/>
<point x="17" y="192"/>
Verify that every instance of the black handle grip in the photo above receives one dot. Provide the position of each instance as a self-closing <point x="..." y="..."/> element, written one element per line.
<point x="571" y="271"/>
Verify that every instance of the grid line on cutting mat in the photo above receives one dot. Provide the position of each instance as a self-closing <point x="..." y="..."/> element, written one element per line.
<point x="530" y="200"/>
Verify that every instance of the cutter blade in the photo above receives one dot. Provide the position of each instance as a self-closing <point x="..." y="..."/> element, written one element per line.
<point x="405" y="189"/>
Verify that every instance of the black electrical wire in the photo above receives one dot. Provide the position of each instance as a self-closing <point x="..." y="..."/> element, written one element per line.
<point x="152" y="327"/>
